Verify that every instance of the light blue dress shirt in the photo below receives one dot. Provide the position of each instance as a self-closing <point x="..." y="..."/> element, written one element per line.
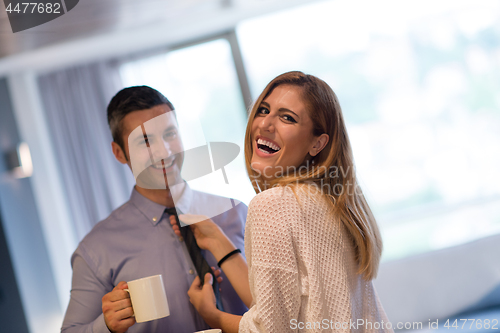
<point x="136" y="241"/>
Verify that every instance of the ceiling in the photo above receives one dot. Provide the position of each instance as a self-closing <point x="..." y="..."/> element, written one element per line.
<point x="94" y="17"/>
<point x="95" y="30"/>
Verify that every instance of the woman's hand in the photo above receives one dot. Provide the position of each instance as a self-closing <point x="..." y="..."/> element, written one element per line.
<point x="208" y="237"/>
<point x="203" y="299"/>
<point x="217" y="273"/>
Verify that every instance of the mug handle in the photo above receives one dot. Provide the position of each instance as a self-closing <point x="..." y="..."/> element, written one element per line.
<point x="133" y="315"/>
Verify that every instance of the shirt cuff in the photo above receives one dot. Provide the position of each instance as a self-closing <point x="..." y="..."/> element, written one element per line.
<point x="100" y="325"/>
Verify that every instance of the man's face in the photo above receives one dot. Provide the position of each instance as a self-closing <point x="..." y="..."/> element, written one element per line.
<point x="153" y="147"/>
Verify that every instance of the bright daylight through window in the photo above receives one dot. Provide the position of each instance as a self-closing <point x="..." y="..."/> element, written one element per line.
<point x="419" y="92"/>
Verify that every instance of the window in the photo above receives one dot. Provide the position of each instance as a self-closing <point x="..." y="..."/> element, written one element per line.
<point x="420" y="95"/>
<point x="419" y="92"/>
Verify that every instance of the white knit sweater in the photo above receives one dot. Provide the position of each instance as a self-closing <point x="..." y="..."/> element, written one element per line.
<point x="302" y="270"/>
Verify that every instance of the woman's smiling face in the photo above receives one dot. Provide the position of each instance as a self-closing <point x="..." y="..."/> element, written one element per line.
<point x="282" y="133"/>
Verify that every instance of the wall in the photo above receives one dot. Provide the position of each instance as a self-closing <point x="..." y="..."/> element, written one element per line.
<point x="26" y="244"/>
<point x="11" y="310"/>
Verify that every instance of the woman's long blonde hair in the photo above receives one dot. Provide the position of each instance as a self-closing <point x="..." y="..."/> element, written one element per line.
<point x="347" y="200"/>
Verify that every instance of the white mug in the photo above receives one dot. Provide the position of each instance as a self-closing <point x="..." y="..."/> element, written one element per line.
<point x="149" y="299"/>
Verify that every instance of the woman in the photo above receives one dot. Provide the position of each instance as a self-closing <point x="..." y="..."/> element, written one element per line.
<point x="311" y="241"/>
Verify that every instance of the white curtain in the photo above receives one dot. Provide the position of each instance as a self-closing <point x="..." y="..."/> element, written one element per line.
<point x="75" y="102"/>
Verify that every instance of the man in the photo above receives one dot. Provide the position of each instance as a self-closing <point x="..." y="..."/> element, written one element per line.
<point x="137" y="240"/>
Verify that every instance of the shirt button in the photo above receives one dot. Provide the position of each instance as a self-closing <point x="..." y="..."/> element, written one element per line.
<point x="191" y="272"/>
<point x="154" y="219"/>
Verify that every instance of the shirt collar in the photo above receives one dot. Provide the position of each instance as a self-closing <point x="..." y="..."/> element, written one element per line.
<point x="154" y="211"/>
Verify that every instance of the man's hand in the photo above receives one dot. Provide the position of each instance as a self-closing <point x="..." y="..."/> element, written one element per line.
<point x="117" y="309"/>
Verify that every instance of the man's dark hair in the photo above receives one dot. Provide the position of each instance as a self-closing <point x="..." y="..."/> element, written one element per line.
<point x="129" y="100"/>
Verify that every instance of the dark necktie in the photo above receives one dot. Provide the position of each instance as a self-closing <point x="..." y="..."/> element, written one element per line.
<point x="200" y="263"/>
